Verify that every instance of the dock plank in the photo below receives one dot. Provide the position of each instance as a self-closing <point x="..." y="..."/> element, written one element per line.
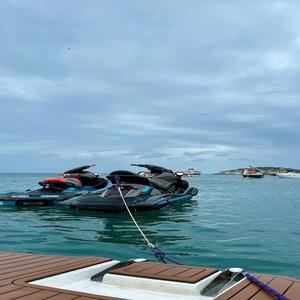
<point x="8" y="288"/>
<point x="14" y="276"/>
<point x="293" y="291"/>
<point x="63" y="297"/>
<point x="251" y="290"/>
<point x="22" y="279"/>
<point x="15" y="257"/>
<point x="280" y="284"/>
<point x="241" y="287"/>
<point x="23" y="262"/>
<point x="35" y="264"/>
<point x="18" y="293"/>
<point x="152" y="270"/>
<point x="40" y="295"/>
<point x="41" y="267"/>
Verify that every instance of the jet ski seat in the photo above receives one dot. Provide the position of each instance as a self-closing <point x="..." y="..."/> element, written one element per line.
<point x="128" y="177"/>
<point x="60" y="183"/>
<point x="89" y="179"/>
<point x="170" y="183"/>
<point x="165" y="181"/>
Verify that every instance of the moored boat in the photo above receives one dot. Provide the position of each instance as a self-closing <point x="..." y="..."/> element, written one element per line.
<point x="252" y="172"/>
<point x="288" y="175"/>
<point x="191" y="172"/>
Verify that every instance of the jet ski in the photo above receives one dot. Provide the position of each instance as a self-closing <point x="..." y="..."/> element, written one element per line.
<point x="160" y="188"/>
<point x="74" y="182"/>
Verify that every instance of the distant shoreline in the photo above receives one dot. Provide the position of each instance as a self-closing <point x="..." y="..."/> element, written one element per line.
<point x="266" y="170"/>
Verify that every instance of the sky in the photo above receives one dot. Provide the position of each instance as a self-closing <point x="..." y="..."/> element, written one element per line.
<point x="212" y="85"/>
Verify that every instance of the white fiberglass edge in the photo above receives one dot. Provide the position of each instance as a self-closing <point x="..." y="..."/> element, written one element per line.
<point x="127" y="287"/>
<point x="64" y="279"/>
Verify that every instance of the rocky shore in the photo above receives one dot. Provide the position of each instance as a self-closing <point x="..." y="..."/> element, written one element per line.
<point x="266" y="170"/>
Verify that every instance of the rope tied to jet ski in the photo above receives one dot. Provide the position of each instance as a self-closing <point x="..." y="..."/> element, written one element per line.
<point x="118" y="185"/>
<point x="155" y="250"/>
<point x="162" y="256"/>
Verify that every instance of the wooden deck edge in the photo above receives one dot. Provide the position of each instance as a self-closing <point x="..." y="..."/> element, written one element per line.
<point x="280" y="276"/>
<point x="58" y="271"/>
<point x="25" y="282"/>
<point x="71" y="292"/>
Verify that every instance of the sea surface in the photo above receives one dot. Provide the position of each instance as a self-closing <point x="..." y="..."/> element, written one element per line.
<point x="234" y="221"/>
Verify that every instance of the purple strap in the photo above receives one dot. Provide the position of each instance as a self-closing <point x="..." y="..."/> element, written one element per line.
<point x="159" y="254"/>
<point x="118" y="180"/>
<point x="265" y="287"/>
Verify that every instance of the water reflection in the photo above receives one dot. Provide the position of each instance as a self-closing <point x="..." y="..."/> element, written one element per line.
<point x="104" y="227"/>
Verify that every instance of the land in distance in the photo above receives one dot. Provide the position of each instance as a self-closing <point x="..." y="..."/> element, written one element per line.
<point x="266" y="170"/>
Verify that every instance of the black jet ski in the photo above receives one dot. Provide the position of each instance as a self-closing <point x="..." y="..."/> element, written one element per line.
<point x="73" y="183"/>
<point x="160" y="188"/>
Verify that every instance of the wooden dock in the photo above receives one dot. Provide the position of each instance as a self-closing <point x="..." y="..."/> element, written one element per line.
<point x="17" y="270"/>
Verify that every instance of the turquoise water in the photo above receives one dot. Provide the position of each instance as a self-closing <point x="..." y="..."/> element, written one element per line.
<point x="254" y="224"/>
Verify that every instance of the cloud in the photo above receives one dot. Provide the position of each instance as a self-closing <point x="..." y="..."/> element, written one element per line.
<point x="175" y="84"/>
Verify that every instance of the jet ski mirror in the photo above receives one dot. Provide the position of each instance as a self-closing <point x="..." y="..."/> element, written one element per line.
<point x="179" y="174"/>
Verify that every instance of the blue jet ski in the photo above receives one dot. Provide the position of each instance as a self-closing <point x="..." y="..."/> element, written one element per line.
<point x="74" y="182"/>
<point x="160" y="188"/>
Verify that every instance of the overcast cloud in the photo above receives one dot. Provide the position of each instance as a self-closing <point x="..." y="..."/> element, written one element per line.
<point x="205" y="84"/>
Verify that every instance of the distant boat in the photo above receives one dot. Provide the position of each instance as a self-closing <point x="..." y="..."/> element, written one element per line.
<point x="288" y="175"/>
<point x="191" y="172"/>
<point x="252" y="172"/>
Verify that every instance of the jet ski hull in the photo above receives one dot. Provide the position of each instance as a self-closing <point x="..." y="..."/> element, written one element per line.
<point x="17" y="199"/>
<point x="41" y="198"/>
<point x="95" y="201"/>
